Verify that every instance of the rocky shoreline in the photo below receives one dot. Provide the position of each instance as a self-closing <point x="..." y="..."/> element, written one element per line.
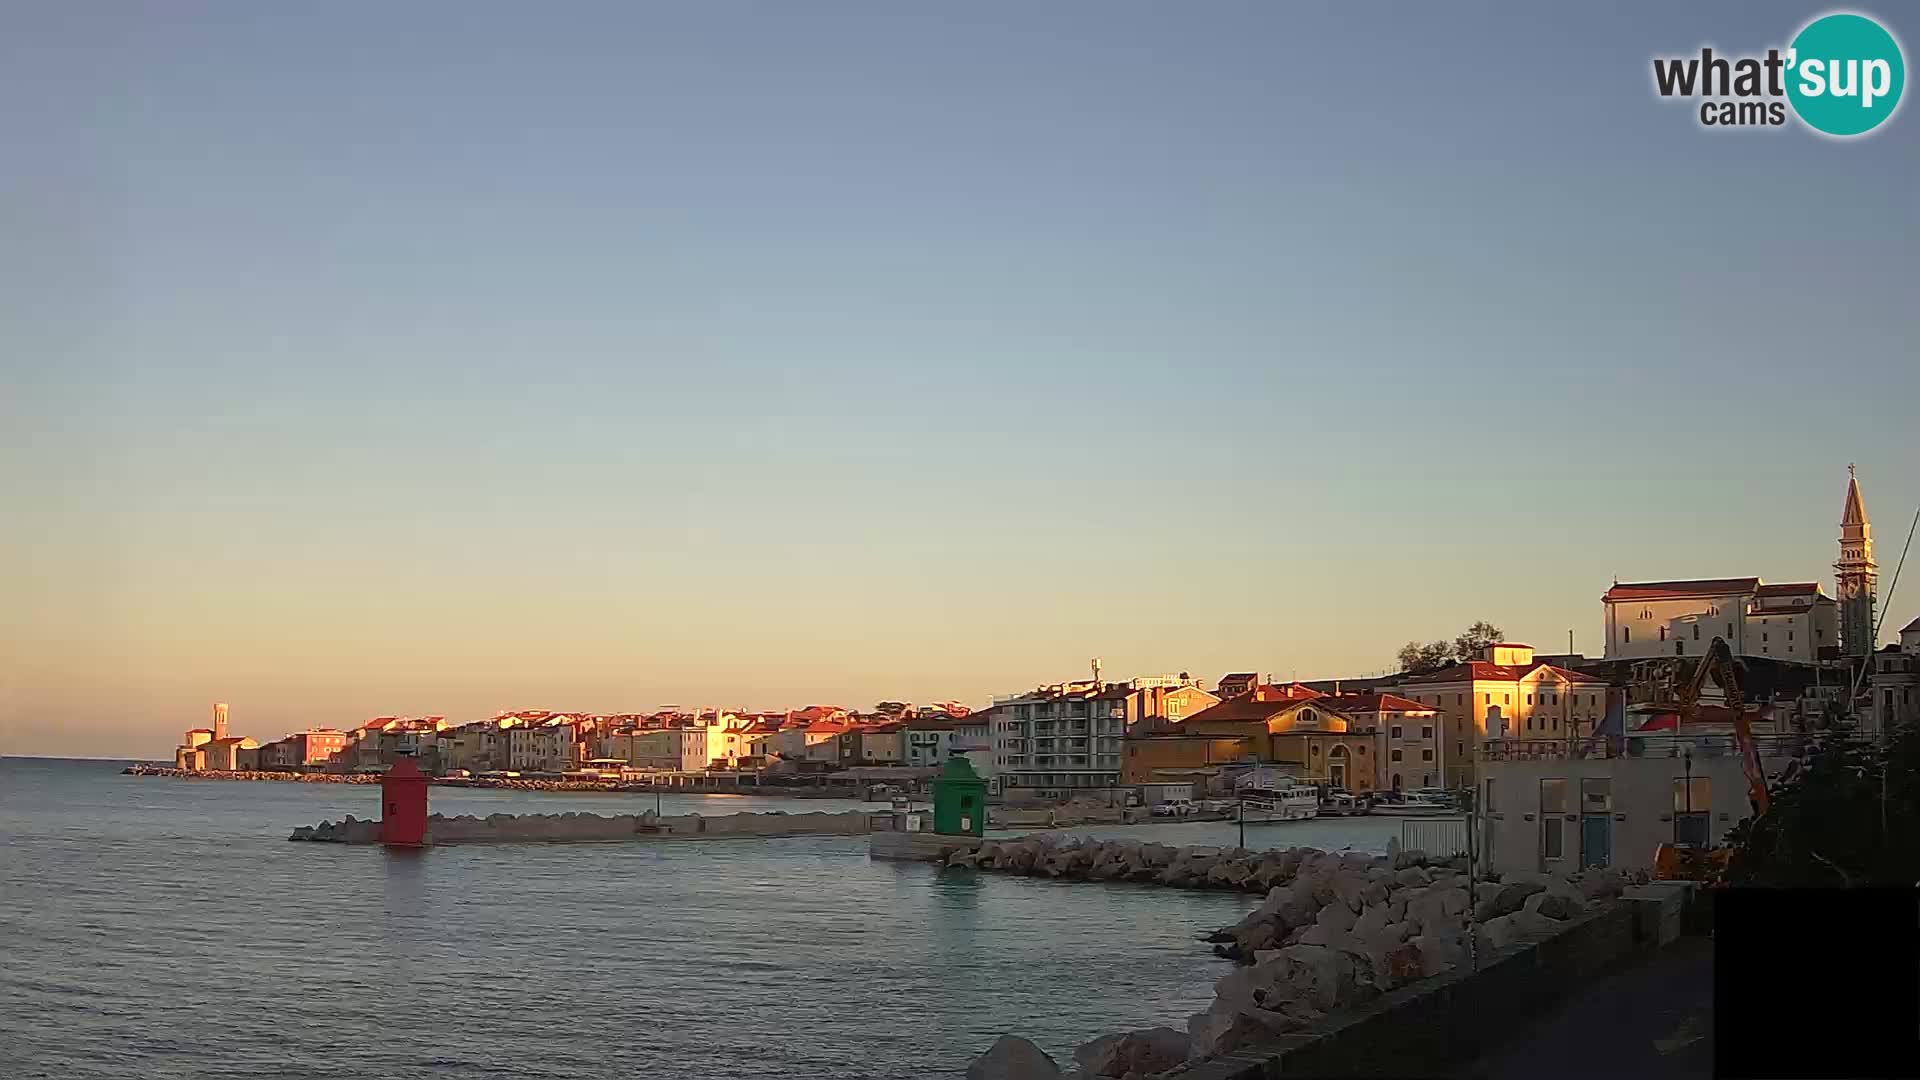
<point x="1335" y="930"/>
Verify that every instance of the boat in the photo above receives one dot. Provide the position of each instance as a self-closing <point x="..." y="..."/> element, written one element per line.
<point x="1342" y="804"/>
<point x="1278" y="804"/>
<point x="1416" y="804"/>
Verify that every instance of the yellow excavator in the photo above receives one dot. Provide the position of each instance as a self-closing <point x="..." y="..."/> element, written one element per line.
<point x="1708" y="864"/>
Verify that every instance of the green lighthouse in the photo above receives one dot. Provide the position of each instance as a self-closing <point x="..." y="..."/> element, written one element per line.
<point x="959" y="800"/>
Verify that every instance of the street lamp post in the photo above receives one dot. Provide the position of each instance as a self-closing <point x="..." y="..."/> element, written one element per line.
<point x="1686" y="764"/>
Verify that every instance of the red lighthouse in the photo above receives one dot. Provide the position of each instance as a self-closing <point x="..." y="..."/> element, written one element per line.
<point x="403" y="800"/>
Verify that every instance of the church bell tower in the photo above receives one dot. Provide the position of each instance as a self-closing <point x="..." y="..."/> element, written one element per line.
<point x="1855" y="573"/>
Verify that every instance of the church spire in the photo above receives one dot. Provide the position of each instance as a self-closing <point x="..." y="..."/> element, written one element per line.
<point x="1855" y="512"/>
<point x="1855" y="573"/>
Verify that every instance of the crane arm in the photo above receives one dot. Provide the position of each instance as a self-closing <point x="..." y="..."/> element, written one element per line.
<point x="1719" y="664"/>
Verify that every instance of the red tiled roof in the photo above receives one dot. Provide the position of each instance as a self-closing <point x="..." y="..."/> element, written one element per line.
<point x="1795" y="588"/>
<point x="1481" y="671"/>
<point x="1377" y="703"/>
<point x="1678" y="590"/>
<point x="1911" y="628"/>
<point x="1249" y="707"/>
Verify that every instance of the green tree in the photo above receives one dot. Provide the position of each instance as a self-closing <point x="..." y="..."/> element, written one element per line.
<point x="1472" y="645"/>
<point x="1420" y="659"/>
<point x="1850" y="817"/>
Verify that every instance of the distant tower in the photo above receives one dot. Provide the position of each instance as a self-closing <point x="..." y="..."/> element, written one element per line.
<point x="220" y="720"/>
<point x="1855" y="573"/>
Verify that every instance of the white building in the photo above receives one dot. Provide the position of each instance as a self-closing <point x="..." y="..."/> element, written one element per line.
<point x="1896" y="681"/>
<point x="1541" y="809"/>
<point x="928" y="742"/>
<point x="679" y="749"/>
<point x="1790" y="622"/>
<point x="549" y="748"/>
<point x="1058" y="739"/>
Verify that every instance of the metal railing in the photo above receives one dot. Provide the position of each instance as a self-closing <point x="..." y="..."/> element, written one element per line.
<point x="1445" y="837"/>
<point x="1663" y="745"/>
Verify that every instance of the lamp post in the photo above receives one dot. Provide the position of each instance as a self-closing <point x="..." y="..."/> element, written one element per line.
<point x="1686" y="764"/>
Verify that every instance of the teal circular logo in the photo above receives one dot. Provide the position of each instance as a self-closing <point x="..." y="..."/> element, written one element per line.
<point x="1845" y="74"/>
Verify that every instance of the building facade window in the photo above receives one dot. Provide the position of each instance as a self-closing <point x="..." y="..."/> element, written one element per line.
<point x="1692" y="810"/>
<point x="1553" y="808"/>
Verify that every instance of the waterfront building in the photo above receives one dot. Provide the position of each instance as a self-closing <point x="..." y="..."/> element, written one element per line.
<point x="547" y="747"/>
<point x="1174" y="755"/>
<point x="1856" y="574"/>
<point x="1647" y="619"/>
<point x="1297" y="731"/>
<point x="1508" y="692"/>
<point x="1408" y="748"/>
<point x="1054" y="740"/>
<point x="675" y="749"/>
<point x="928" y="741"/>
<point x="230" y="754"/>
<point x="1542" y="808"/>
<point x="873" y="744"/>
<point x="189" y="755"/>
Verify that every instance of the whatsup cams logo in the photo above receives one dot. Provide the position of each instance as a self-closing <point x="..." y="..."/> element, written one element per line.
<point x="1841" y="76"/>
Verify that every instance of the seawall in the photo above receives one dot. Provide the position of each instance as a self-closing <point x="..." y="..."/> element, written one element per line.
<point x="595" y="828"/>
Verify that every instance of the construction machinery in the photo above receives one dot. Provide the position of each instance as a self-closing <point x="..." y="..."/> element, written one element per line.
<point x="1708" y="863"/>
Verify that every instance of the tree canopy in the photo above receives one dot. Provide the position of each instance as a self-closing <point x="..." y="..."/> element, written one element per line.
<point x="1434" y="655"/>
<point x="1850" y="817"/>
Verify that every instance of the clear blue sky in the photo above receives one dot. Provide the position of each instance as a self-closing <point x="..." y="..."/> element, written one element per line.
<point x="440" y="357"/>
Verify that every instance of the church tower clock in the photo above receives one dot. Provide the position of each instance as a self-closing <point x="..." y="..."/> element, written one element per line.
<point x="1855" y="573"/>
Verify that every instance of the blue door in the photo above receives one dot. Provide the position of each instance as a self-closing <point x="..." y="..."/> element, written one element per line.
<point x="1596" y="838"/>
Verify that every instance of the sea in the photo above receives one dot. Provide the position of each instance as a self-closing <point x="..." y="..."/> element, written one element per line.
<point x="166" y="928"/>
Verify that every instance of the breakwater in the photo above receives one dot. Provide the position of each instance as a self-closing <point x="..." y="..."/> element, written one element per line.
<point x="489" y="783"/>
<point x="596" y="828"/>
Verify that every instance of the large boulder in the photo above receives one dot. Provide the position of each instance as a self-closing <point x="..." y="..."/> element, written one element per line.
<point x="1513" y="896"/>
<point x="1559" y="907"/>
<point x="1135" y="1053"/>
<point x="1338" y="917"/>
<point x="1012" y="1058"/>
<point x="1440" y="951"/>
<point x="1222" y="1029"/>
<point x="1413" y="877"/>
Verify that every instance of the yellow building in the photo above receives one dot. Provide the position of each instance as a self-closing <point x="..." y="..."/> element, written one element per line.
<point x="1147" y="758"/>
<point x="1508" y="692"/>
<point x="1298" y="729"/>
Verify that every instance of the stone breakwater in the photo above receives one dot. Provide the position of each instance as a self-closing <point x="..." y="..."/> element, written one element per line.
<point x="781" y="791"/>
<point x="251" y="774"/>
<point x="594" y="828"/>
<point x="1334" y="931"/>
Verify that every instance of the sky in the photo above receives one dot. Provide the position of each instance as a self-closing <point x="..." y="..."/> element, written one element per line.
<point x="368" y="359"/>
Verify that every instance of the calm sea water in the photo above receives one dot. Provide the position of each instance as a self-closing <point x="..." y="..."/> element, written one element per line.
<point x="166" y="928"/>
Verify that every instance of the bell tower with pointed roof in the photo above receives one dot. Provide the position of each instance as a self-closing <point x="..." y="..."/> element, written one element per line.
<point x="1855" y="573"/>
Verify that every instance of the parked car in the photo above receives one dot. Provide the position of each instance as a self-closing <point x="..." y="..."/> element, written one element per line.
<point x="1175" y="808"/>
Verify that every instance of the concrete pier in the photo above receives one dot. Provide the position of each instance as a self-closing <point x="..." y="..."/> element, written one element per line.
<point x="594" y="828"/>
